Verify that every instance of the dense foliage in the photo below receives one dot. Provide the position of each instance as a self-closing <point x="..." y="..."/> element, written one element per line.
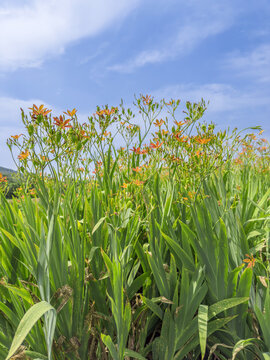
<point x="135" y="236"/>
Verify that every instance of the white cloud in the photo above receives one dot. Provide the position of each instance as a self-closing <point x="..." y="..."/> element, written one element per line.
<point x="35" y="30"/>
<point x="222" y="97"/>
<point x="255" y="64"/>
<point x="199" y="20"/>
<point x="10" y="115"/>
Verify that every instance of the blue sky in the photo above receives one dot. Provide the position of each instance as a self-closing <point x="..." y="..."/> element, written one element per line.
<point x="83" y="53"/>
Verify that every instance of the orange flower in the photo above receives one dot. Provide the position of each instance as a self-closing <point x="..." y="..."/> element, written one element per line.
<point x="107" y="111"/>
<point x="44" y="158"/>
<point x="138" y="150"/>
<point x="83" y="134"/>
<point x="39" y="111"/>
<point x="23" y="155"/>
<point x="156" y="145"/>
<point x="3" y="179"/>
<point x="191" y="194"/>
<point x="61" y="122"/>
<point x="250" y="260"/>
<point x="182" y="138"/>
<point x="138" y="182"/>
<point x="71" y="113"/>
<point x="159" y="122"/>
<point x="170" y="102"/>
<point x="124" y="186"/>
<point x="96" y="171"/>
<point x="201" y="140"/>
<point x="179" y="123"/>
<point x="137" y="169"/>
<point x="238" y="161"/>
<point x="16" y="137"/>
<point x="146" y="99"/>
<point x="32" y="192"/>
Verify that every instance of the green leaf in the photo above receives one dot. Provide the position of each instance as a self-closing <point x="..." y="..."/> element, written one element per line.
<point x="134" y="354"/>
<point x="179" y="253"/>
<point x="224" y="305"/>
<point x="202" y="326"/>
<point x="36" y="356"/>
<point x="26" y="324"/>
<point x="241" y="344"/>
<point x="153" y="307"/>
<point x="100" y="221"/>
<point x="110" y="345"/>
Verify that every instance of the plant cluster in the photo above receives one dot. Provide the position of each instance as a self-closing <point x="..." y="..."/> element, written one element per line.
<point x="135" y="235"/>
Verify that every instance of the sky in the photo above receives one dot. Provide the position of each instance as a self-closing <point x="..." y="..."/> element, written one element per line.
<point x="83" y="53"/>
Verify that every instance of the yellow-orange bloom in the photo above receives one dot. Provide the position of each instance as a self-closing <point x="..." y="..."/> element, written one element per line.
<point x="159" y="122"/>
<point x="71" y="113"/>
<point x="138" y="182"/>
<point x="39" y="111"/>
<point x="16" y="137"/>
<point x="156" y="145"/>
<point x="146" y="99"/>
<point x="201" y="140"/>
<point x="170" y="102"/>
<point x="23" y="155"/>
<point x="250" y="260"/>
<point x="44" y="158"/>
<point x="138" y="150"/>
<point x="107" y="112"/>
<point x="61" y="122"/>
<point x="124" y="186"/>
<point x="137" y="169"/>
<point x="3" y="179"/>
<point x="179" y="123"/>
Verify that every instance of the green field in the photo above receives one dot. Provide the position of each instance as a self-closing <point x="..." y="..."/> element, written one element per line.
<point x="144" y="242"/>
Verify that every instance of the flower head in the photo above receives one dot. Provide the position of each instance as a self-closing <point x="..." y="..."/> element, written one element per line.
<point x="159" y="122"/>
<point x="250" y="260"/>
<point x="23" y="155"/>
<point x="39" y="111"/>
<point x="201" y="140"/>
<point x="137" y="169"/>
<point x="16" y="137"/>
<point x="146" y="99"/>
<point x="138" y="182"/>
<point x="156" y="145"/>
<point x="61" y="122"/>
<point x="3" y="179"/>
<point x="71" y="113"/>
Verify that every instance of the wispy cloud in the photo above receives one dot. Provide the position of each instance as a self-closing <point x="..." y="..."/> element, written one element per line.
<point x="199" y="21"/>
<point x="222" y="97"/>
<point x="255" y="64"/>
<point x="35" y="30"/>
